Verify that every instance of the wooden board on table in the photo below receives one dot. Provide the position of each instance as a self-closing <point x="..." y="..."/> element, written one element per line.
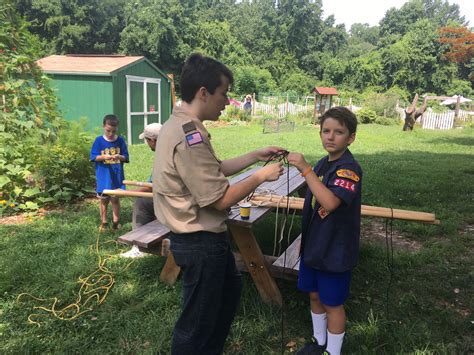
<point x="291" y="182"/>
<point x="146" y="236"/>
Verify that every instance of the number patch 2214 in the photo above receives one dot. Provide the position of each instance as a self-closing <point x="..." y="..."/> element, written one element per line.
<point x="345" y="184"/>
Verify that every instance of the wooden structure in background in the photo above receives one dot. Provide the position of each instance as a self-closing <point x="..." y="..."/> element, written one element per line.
<point x="323" y="99"/>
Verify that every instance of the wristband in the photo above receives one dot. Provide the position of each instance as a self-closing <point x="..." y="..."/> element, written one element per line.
<point x="307" y="171"/>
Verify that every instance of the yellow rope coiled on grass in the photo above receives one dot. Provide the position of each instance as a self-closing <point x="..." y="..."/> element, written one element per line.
<point x="96" y="287"/>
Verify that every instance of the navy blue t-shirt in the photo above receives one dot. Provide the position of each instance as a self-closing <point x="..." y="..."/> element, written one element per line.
<point x="330" y="241"/>
<point x="109" y="174"/>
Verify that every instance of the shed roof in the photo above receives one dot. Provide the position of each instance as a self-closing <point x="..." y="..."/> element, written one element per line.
<point x="94" y="64"/>
<point x="325" y="91"/>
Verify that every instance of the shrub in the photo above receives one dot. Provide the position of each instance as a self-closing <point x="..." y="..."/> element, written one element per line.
<point x="382" y="104"/>
<point x="387" y="121"/>
<point x="366" y="115"/>
<point x="62" y="169"/>
<point x="231" y="113"/>
<point x="28" y="107"/>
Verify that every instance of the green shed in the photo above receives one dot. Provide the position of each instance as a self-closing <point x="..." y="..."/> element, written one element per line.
<point x="92" y="86"/>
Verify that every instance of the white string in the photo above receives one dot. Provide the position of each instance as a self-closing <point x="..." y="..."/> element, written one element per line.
<point x="276" y="227"/>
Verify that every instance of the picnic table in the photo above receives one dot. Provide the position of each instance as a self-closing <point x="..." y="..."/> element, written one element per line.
<point x="249" y="257"/>
<point x="261" y="266"/>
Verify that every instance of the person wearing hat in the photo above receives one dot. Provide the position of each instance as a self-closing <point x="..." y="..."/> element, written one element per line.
<point x="143" y="210"/>
<point x="248" y="105"/>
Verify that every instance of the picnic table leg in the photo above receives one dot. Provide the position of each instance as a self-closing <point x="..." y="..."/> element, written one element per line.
<point x="256" y="265"/>
<point x="170" y="270"/>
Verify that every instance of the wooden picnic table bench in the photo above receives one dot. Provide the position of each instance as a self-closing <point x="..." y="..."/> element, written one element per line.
<point x="152" y="237"/>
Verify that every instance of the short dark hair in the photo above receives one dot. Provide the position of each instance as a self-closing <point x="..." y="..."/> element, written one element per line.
<point x="342" y="115"/>
<point x="111" y="120"/>
<point x="200" y="71"/>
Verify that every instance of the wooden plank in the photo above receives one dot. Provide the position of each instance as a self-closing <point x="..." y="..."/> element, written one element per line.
<point x="255" y="263"/>
<point x="290" y="259"/>
<point x="146" y="236"/>
<point x="275" y="271"/>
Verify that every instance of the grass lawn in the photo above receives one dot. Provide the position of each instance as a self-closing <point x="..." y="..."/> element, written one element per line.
<point x="430" y="299"/>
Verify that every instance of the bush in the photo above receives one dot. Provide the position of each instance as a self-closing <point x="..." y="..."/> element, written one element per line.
<point x="231" y="113"/>
<point x="29" y="116"/>
<point x="62" y="170"/>
<point x="366" y="115"/>
<point x="382" y="104"/>
<point x="387" y="121"/>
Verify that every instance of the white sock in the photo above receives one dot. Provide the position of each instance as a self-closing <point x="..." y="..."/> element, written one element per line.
<point x="320" y="324"/>
<point x="334" y="343"/>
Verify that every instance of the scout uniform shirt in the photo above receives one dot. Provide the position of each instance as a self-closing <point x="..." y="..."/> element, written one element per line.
<point x="187" y="177"/>
<point x="330" y="241"/>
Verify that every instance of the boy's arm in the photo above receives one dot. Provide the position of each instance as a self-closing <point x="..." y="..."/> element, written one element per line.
<point x="232" y="166"/>
<point x="325" y="197"/>
<point x="124" y="150"/>
<point x="95" y="152"/>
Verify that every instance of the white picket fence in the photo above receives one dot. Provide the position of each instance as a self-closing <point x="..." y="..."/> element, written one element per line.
<point x="443" y="120"/>
<point x="281" y="110"/>
<point x="433" y="120"/>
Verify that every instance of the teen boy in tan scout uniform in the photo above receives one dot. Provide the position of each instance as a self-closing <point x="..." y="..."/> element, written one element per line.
<point x="191" y="197"/>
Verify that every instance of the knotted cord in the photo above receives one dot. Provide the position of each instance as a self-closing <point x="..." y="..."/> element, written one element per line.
<point x="96" y="287"/>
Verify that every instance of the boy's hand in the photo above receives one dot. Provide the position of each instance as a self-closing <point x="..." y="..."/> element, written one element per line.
<point x="271" y="172"/>
<point x="117" y="157"/>
<point x="298" y="160"/>
<point x="266" y="153"/>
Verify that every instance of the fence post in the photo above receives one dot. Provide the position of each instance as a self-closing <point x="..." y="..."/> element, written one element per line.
<point x="253" y="104"/>
<point x="456" y="110"/>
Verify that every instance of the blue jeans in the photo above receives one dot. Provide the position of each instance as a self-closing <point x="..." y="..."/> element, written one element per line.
<point x="211" y="289"/>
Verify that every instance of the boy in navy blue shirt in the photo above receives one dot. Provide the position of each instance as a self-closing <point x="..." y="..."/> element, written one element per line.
<point x="330" y="229"/>
<point x="109" y="152"/>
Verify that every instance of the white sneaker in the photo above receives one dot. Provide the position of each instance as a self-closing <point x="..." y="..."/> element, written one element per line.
<point x="133" y="253"/>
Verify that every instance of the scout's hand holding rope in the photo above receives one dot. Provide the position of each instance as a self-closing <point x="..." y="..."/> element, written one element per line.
<point x="298" y="160"/>
<point x="274" y="171"/>
<point x="268" y="154"/>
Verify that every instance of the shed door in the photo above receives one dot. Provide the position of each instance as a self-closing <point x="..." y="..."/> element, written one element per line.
<point x="143" y="105"/>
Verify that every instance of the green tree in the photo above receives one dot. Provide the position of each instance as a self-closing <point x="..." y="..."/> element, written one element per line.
<point x="297" y="81"/>
<point x="159" y="30"/>
<point x="415" y="61"/>
<point x="75" y="26"/>
<point x="251" y="79"/>
<point x="215" y="39"/>
<point x="439" y="12"/>
<point x="363" y="32"/>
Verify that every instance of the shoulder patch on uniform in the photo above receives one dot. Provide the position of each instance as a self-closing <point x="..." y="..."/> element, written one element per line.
<point x="193" y="139"/>
<point x="189" y="126"/>
<point x="348" y="174"/>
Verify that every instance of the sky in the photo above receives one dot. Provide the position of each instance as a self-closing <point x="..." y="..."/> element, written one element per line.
<point x="372" y="11"/>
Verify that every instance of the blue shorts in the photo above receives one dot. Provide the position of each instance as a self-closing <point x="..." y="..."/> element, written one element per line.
<point x="333" y="287"/>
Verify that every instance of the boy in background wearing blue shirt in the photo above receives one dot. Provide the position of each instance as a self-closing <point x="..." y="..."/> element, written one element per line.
<point x="109" y="152"/>
<point x="330" y="230"/>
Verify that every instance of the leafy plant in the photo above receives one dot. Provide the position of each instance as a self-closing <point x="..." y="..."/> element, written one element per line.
<point x="366" y="115"/>
<point x="28" y="107"/>
<point x="42" y="158"/>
